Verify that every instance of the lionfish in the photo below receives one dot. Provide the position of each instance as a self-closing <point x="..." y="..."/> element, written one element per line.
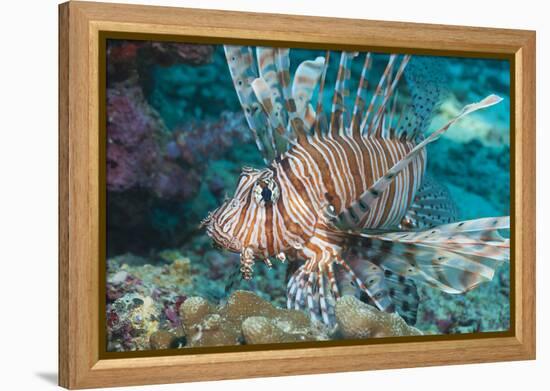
<point x="330" y="183"/>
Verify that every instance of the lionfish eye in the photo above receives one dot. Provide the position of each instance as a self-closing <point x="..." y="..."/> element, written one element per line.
<point x="266" y="194"/>
<point x="266" y="191"/>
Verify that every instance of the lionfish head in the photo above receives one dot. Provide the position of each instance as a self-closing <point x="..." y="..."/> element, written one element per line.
<point x="229" y="225"/>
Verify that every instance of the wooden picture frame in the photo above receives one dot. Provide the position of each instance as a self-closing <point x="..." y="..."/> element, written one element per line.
<point x="80" y="216"/>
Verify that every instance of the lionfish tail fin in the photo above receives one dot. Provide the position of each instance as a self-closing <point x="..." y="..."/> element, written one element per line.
<point x="453" y="257"/>
<point x="354" y="216"/>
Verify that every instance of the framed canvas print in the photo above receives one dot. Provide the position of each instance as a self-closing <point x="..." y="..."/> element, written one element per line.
<point x="295" y="194"/>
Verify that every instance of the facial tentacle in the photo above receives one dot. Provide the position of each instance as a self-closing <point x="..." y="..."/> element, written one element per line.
<point x="247" y="263"/>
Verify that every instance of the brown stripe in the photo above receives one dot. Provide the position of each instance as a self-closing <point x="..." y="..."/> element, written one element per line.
<point x="278" y="230"/>
<point x="368" y="169"/>
<point x="243" y="213"/>
<point x="266" y="55"/>
<point x="316" y="249"/>
<point x="250" y="229"/>
<point x="297" y="184"/>
<point x="267" y="105"/>
<point x="354" y="162"/>
<point x="341" y="172"/>
<point x="290" y="105"/>
<point x="304" y="79"/>
<point x="320" y="162"/>
<point x="269" y="228"/>
<point x="290" y="225"/>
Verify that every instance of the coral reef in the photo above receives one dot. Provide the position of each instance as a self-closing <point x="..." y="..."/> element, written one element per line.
<point x="136" y="321"/>
<point x="356" y="319"/>
<point x="157" y="188"/>
<point x="168" y="278"/>
<point x="244" y="319"/>
<point x="152" y="303"/>
<point x="134" y="157"/>
<point x="161" y="339"/>
<point x="131" y="321"/>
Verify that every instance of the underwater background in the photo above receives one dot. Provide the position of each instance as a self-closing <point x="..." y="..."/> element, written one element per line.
<point x="177" y="141"/>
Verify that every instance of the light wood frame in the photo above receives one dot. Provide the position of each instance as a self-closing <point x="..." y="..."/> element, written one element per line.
<point x="80" y="24"/>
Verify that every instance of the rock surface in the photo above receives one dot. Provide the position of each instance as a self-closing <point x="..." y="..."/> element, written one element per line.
<point x="356" y="319"/>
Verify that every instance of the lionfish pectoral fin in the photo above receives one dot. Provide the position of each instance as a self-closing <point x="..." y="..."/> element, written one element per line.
<point x="312" y="287"/>
<point x="453" y="257"/>
<point x="369" y="279"/>
<point x="432" y="206"/>
<point x="382" y="288"/>
<point x="354" y="216"/>
<point x="404" y="295"/>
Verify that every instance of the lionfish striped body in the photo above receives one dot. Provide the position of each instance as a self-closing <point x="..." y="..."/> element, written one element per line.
<point x="329" y="181"/>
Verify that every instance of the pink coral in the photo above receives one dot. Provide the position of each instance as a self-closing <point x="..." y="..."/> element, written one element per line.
<point x="132" y="151"/>
<point x="135" y="136"/>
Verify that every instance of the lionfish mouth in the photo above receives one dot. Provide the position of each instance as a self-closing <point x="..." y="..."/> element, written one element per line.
<point x="214" y="231"/>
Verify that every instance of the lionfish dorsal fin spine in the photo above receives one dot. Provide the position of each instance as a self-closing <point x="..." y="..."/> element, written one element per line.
<point x="359" y="104"/>
<point x="375" y="95"/>
<point x="319" y="115"/>
<point x="391" y="127"/>
<point x="340" y="92"/>
<point x="282" y="62"/>
<point x="278" y="117"/>
<point x="390" y="91"/>
<point x="375" y="126"/>
<point x="241" y="65"/>
<point x="305" y="80"/>
<point x="264" y="94"/>
<point x="268" y="71"/>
